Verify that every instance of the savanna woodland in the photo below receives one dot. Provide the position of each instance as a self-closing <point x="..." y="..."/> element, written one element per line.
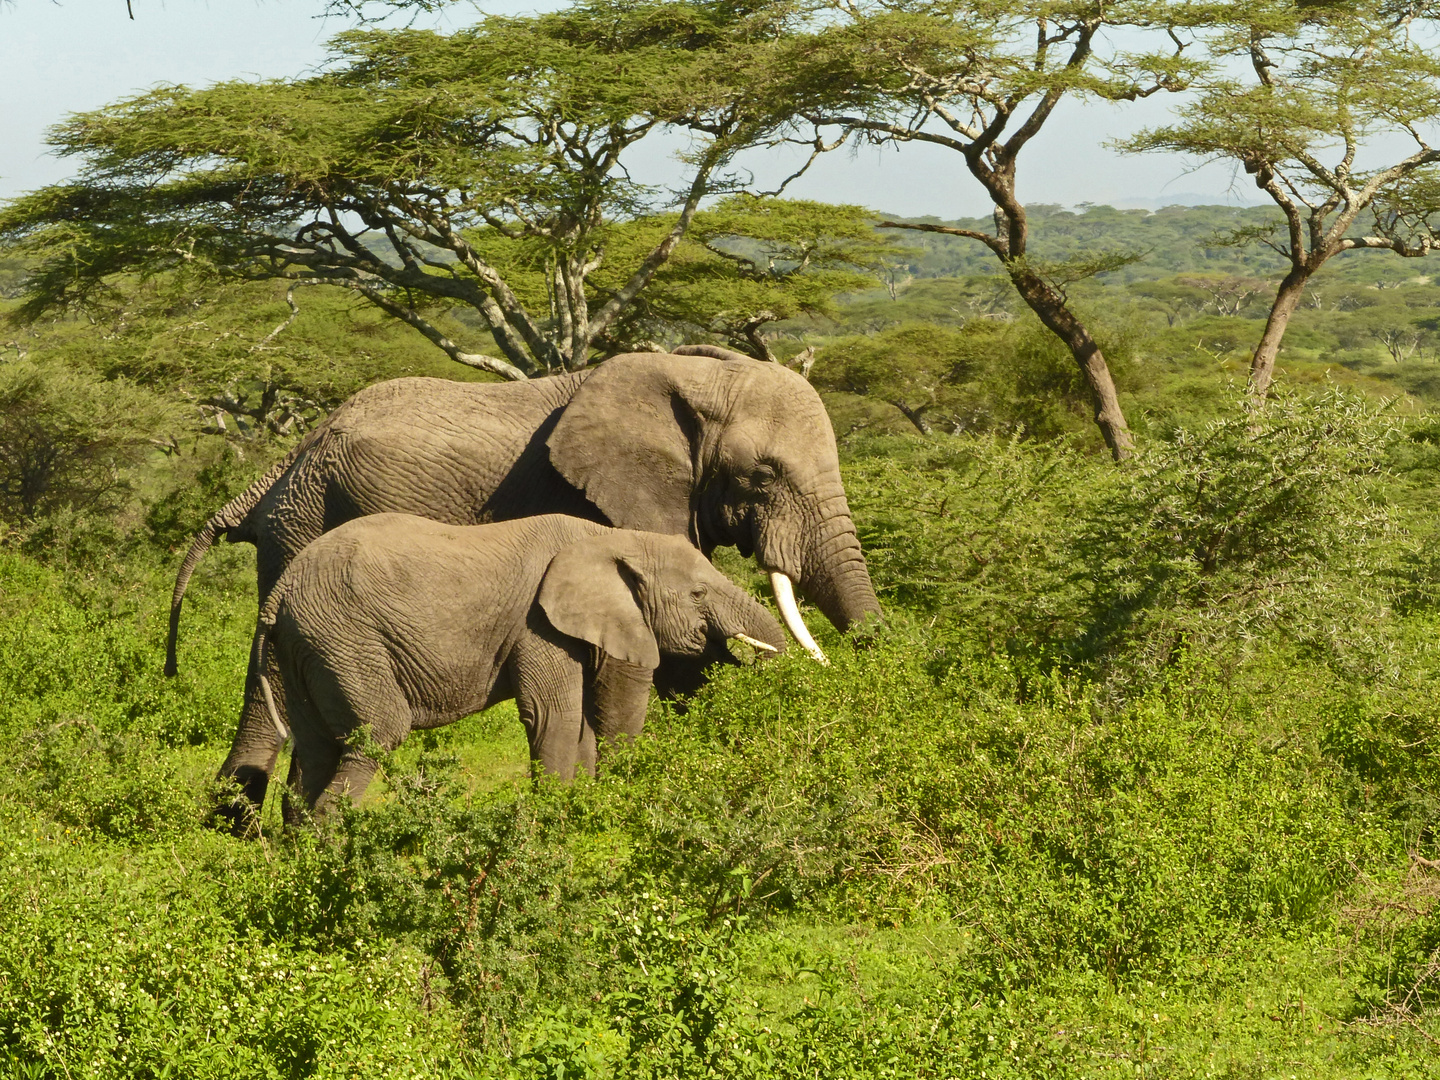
<point x="1140" y="776"/>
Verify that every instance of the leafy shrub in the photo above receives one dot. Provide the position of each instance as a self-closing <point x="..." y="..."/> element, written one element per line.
<point x="974" y="531"/>
<point x="173" y="520"/>
<point x="487" y="891"/>
<point x="95" y="651"/>
<point x="125" y="970"/>
<point x="66" y="438"/>
<point x="1102" y="839"/>
<point x="1260" y="524"/>
<point x="110" y="785"/>
<point x="1027" y="830"/>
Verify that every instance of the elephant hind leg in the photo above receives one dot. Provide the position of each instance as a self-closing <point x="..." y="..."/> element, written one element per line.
<point x="256" y="744"/>
<point x="359" y="704"/>
<point x="324" y="770"/>
<point x="351" y="776"/>
<point x="314" y="757"/>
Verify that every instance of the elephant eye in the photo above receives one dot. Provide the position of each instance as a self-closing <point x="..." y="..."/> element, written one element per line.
<point x="762" y="476"/>
<point x="698" y="592"/>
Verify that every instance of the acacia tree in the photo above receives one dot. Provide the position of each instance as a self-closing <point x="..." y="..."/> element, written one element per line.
<point x="1324" y="86"/>
<point x="749" y="262"/>
<point x="982" y="78"/>
<point x="421" y="171"/>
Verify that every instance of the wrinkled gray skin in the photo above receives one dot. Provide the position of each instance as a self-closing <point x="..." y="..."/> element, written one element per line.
<point x="394" y="622"/>
<point x="713" y="449"/>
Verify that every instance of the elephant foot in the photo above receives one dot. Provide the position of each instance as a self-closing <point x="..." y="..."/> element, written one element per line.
<point x="238" y="808"/>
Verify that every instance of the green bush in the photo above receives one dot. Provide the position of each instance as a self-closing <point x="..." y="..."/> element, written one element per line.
<point x="1140" y="778"/>
<point x="1261" y="527"/>
<point x="67" y="439"/>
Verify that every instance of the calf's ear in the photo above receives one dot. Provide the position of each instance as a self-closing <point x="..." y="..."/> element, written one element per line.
<point x="587" y="593"/>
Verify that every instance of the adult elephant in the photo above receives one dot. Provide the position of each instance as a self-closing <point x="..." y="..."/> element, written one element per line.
<point x="711" y="446"/>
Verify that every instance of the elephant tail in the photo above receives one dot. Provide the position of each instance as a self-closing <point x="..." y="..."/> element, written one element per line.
<point x="263" y="627"/>
<point x="229" y="518"/>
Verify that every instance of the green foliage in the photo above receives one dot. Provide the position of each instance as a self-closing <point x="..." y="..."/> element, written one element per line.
<point x="1175" y="239"/>
<point x="749" y="262"/>
<point x="124" y="968"/>
<point x="975" y="530"/>
<point x="953" y="851"/>
<point x="1241" y="531"/>
<point x="1141" y="778"/>
<point x="418" y="170"/>
<point x="88" y="653"/>
<point x="66" y="440"/>
<point x="173" y="519"/>
<point x="917" y="368"/>
<point x="987" y="375"/>
<point x="1251" y="530"/>
<point x="1326" y="89"/>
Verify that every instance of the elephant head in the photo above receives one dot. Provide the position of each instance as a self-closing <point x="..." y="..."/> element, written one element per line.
<point x="722" y="451"/>
<point x="637" y="596"/>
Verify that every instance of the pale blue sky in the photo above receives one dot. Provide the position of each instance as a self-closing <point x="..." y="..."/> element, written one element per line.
<point x="57" y="58"/>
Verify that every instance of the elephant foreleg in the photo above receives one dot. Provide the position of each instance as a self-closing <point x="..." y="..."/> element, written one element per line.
<point x="549" y="680"/>
<point x="618" y="694"/>
<point x="679" y="677"/>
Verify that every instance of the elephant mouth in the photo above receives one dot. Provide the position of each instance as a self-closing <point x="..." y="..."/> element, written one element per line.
<point x="714" y="527"/>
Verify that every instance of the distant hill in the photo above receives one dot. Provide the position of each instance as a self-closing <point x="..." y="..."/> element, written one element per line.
<point x="1174" y="240"/>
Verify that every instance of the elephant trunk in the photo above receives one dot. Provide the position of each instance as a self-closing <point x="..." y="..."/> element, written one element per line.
<point x="739" y="615"/>
<point x="837" y="581"/>
<point x="827" y="566"/>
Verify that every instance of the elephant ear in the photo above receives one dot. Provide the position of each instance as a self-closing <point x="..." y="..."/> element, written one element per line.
<point x="586" y="592"/>
<point x="630" y="439"/>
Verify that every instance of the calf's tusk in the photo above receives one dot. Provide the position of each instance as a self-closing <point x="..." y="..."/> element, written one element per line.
<point x="790" y="612"/>
<point x="755" y="643"/>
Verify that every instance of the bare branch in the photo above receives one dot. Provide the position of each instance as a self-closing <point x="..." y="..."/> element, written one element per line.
<point x="996" y="244"/>
<point x="413" y="318"/>
<point x="294" y="313"/>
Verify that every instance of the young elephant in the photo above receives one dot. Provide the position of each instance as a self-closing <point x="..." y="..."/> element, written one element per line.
<point x="393" y="622"/>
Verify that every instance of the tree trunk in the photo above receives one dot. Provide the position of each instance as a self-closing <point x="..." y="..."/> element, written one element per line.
<point x="1050" y="306"/>
<point x="1287" y="299"/>
<point x="915" y="416"/>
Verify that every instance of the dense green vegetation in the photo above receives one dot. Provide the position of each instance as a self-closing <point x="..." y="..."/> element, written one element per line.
<point x="1143" y="778"/>
<point x="951" y="341"/>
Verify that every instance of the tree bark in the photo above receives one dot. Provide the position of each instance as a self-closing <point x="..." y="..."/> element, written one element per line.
<point x="409" y="315"/>
<point x="915" y="416"/>
<point x="1057" y="317"/>
<point x="1012" y="237"/>
<point x="1287" y="299"/>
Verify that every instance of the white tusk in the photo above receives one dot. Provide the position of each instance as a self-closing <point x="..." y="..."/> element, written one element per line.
<point x="755" y="643"/>
<point x="790" y="612"/>
<point x="280" y="728"/>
